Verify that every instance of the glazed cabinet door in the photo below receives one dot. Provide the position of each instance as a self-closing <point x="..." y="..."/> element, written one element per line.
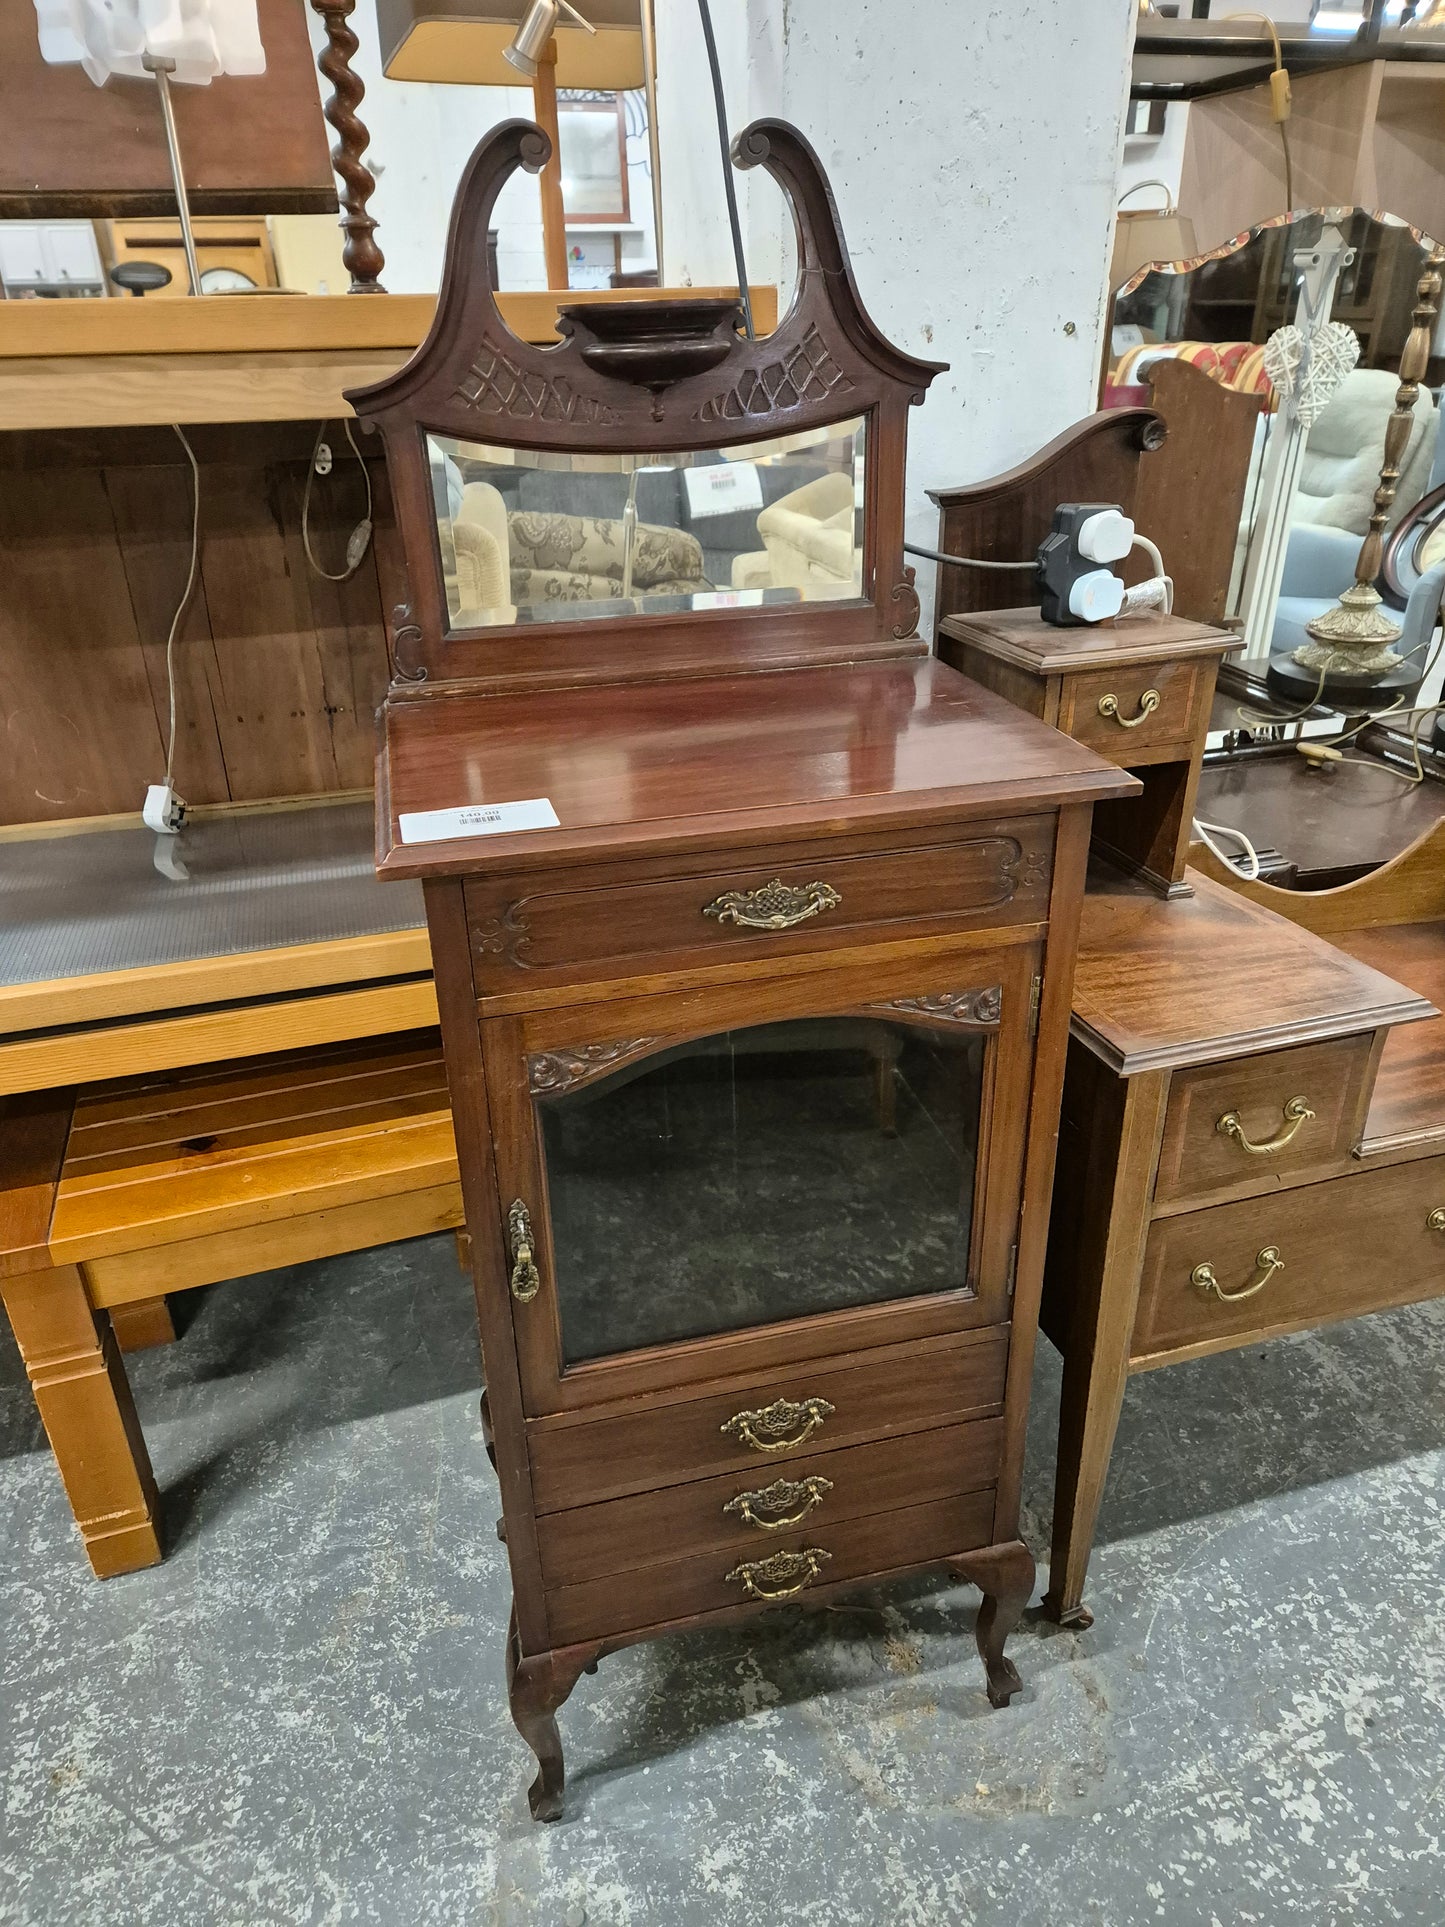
<point x="702" y="1183"/>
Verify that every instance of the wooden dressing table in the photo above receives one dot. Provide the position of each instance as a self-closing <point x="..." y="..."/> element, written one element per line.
<point x="754" y="1022"/>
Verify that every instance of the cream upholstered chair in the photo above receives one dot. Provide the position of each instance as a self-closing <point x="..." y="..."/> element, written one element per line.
<point x="1342" y="455"/>
<point x="807" y="542"/>
<point x="483" y="547"/>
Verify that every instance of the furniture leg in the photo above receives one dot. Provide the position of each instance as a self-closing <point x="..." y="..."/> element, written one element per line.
<point x="535" y="1689"/>
<point x="145" y="1323"/>
<point x="78" y="1378"/>
<point x="1005" y="1576"/>
<point x="1122" y="1122"/>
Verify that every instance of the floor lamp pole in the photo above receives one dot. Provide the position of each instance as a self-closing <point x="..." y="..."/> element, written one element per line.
<point x="163" y="67"/>
<point x="654" y="145"/>
<point x="554" y="220"/>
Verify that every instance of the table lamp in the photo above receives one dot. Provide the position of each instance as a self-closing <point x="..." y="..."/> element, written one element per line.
<point x="186" y="40"/>
<point x="601" y="44"/>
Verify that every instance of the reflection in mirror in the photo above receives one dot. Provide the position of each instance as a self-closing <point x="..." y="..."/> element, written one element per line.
<point x="1313" y="470"/>
<point x="528" y="535"/>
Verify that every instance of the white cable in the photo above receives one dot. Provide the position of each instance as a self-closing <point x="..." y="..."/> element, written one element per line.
<point x="184" y="602"/>
<point x="360" y="538"/>
<point x="1225" y="829"/>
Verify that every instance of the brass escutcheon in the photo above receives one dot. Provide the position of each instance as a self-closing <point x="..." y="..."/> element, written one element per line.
<point x="526" y="1279"/>
<point x="775" y="1499"/>
<point x="773" y="906"/>
<point x="781" y="1574"/>
<point x="779" y="1427"/>
<point x="1436" y="1219"/>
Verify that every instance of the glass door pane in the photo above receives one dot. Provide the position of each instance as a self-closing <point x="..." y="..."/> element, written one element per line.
<point x="761" y="1175"/>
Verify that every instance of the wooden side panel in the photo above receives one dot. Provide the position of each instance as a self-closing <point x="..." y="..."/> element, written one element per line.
<point x="278" y="671"/>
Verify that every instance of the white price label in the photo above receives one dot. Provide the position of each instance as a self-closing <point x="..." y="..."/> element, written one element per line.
<point x="722" y="488"/>
<point x="478" y="819"/>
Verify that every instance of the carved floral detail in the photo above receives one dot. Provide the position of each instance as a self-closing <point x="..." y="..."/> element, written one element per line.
<point x="977" y="1009"/>
<point x="904" y="597"/>
<point x="807" y="372"/>
<point x="552" y="1071"/>
<point x="1025" y="869"/>
<point x="494" y="385"/>
<point x="504" y="936"/>
<point x="405" y="633"/>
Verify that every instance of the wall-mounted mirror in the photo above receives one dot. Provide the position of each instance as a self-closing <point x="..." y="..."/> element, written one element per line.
<point x="531" y="536"/>
<point x="1346" y="281"/>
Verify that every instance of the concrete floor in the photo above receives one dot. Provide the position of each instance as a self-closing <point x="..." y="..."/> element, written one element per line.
<point x="300" y="1717"/>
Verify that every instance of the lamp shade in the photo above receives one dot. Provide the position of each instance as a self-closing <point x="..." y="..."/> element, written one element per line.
<point x="1149" y="234"/>
<point x="464" y="41"/>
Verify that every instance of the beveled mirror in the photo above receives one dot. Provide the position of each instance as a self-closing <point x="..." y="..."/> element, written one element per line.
<point x="657" y="487"/>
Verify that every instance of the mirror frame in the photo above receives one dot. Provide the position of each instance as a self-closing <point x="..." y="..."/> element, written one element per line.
<point x="472" y="379"/>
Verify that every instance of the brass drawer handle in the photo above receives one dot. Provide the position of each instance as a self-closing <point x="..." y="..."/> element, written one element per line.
<point x="1148" y="703"/>
<point x="526" y="1279"/>
<point x="1266" y="1264"/>
<point x="1436" y="1219"/>
<point x="802" y="1494"/>
<point x="779" y="1427"/>
<point x="1296" y="1113"/>
<point x="782" y="1574"/>
<point x="774" y="906"/>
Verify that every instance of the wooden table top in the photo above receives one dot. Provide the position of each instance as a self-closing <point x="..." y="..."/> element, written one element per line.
<point x="654" y="768"/>
<point x="1164" y="984"/>
<point x="1022" y="637"/>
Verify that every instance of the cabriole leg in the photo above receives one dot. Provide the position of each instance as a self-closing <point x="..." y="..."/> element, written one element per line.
<point x="535" y="1689"/>
<point x="1005" y="1576"/>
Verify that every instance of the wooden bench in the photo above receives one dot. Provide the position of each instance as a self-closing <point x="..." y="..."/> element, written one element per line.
<point x="114" y="1194"/>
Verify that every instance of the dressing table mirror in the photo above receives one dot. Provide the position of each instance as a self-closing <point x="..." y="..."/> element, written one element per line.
<point x="752" y="926"/>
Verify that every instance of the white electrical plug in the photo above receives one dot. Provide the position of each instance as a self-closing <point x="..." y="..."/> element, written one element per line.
<point x="163" y="811"/>
<point x="1097" y="596"/>
<point x="1105" y="537"/>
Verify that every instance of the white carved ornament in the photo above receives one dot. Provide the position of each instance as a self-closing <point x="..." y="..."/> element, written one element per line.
<point x="1309" y="368"/>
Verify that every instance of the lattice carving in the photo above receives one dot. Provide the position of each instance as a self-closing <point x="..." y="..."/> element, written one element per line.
<point x="807" y="372"/>
<point x="494" y="385"/>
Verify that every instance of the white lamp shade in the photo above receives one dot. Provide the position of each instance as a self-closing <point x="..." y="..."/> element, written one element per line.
<point x="203" y="37"/>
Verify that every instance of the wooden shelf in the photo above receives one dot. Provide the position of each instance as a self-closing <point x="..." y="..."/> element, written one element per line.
<point x="113" y="363"/>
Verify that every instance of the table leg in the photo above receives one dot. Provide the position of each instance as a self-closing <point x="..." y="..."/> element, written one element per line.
<point x="83" y="1395"/>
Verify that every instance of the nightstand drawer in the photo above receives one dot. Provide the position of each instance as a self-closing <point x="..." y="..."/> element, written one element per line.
<point x="748" y="1513"/>
<point x="767" y="903"/>
<point x="1134" y="712"/>
<point x="1281" y="1117"/>
<point x="760" y="1429"/>
<point x="1295" y="1258"/>
<point x="714" y="1581"/>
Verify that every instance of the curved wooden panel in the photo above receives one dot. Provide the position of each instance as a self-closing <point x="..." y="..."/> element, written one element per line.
<point x="1408" y="889"/>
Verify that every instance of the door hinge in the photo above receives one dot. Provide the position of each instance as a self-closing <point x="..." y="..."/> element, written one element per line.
<point x="1035" y="992"/>
<point x="1013" y="1269"/>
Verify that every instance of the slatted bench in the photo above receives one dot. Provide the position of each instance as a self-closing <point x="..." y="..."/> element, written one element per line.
<point x="113" y="1194"/>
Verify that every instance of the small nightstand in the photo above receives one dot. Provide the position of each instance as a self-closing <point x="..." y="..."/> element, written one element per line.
<point x="1139" y="693"/>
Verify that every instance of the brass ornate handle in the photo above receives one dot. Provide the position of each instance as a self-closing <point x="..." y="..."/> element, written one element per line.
<point x="1296" y="1113"/>
<point x="779" y="1427"/>
<point x="782" y="1574"/>
<point x="801" y="1494"/>
<point x="1436" y="1219"/>
<point x="1266" y="1264"/>
<point x="1148" y="703"/>
<point x="526" y="1279"/>
<point x="774" y="906"/>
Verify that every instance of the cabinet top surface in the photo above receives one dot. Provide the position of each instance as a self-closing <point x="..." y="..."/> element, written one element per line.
<point x="1161" y="984"/>
<point x="1022" y="637"/>
<point x="646" y="768"/>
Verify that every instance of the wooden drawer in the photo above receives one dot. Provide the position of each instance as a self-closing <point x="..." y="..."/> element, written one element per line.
<point x="748" y="1513"/>
<point x="997" y="874"/>
<point x="682" y="1589"/>
<point x="908" y="1390"/>
<point x="1197" y="1158"/>
<point x="1355" y="1243"/>
<point x="1166" y="731"/>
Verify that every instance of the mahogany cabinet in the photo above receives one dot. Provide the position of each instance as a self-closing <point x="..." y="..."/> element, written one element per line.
<point x="753" y="930"/>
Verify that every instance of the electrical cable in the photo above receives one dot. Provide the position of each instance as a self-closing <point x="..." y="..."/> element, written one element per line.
<point x="963" y="561"/>
<point x="360" y="538"/>
<point x="729" y="187"/>
<point x="1227" y="829"/>
<point x="185" y="600"/>
<point x="1279" y="96"/>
